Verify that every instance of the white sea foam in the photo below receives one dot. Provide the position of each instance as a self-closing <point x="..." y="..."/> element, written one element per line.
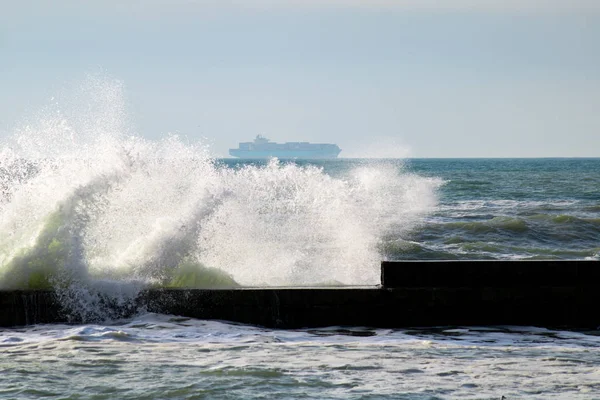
<point x="85" y="203"/>
<point x="333" y="362"/>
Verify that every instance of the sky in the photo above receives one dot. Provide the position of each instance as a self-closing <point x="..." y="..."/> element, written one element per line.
<point x="381" y="78"/>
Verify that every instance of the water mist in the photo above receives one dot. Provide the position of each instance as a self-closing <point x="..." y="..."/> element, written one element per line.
<point x="92" y="210"/>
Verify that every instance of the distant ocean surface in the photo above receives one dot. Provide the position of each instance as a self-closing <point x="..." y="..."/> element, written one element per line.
<point x="546" y="208"/>
<point x="298" y="223"/>
<point x="511" y="208"/>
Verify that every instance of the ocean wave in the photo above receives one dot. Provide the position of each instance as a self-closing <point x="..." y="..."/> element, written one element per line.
<point x="97" y="213"/>
<point x="494" y="224"/>
<point x="401" y="250"/>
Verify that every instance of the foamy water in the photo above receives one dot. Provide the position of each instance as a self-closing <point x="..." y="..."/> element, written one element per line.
<point x="161" y="356"/>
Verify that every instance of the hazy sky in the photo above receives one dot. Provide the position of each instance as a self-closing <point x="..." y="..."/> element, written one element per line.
<point x="446" y="78"/>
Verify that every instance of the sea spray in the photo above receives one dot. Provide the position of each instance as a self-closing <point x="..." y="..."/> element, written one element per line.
<point x="282" y="224"/>
<point x="58" y="248"/>
<point x="98" y="213"/>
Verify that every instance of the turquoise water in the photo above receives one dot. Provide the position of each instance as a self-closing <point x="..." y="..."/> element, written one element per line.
<point x="512" y="208"/>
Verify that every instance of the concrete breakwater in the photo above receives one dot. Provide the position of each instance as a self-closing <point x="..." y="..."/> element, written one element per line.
<point x="413" y="293"/>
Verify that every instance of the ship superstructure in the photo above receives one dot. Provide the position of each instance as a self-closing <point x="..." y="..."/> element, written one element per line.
<point x="262" y="147"/>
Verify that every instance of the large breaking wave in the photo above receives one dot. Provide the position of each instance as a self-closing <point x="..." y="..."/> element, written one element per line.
<point x="83" y="201"/>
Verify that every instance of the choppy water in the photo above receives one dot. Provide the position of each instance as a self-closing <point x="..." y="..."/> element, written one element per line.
<point x="493" y="208"/>
<point x="513" y="208"/>
<point x="88" y="207"/>
<point x="159" y="356"/>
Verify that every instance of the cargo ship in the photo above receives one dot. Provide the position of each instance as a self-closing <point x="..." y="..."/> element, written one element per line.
<point x="262" y="147"/>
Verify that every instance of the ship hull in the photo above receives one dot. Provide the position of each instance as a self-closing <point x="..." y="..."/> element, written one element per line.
<point x="255" y="154"/>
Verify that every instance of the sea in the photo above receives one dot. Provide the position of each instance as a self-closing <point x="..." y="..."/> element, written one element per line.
<point x="89" y="207"/>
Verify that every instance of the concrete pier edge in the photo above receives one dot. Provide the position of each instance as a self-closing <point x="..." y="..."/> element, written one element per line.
<point x="558" y="294"/>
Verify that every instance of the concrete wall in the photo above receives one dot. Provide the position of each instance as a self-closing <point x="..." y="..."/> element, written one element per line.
<point x="26" y="307"/>
<point x="414" y="293"/>
<point x="490" y="273"/>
